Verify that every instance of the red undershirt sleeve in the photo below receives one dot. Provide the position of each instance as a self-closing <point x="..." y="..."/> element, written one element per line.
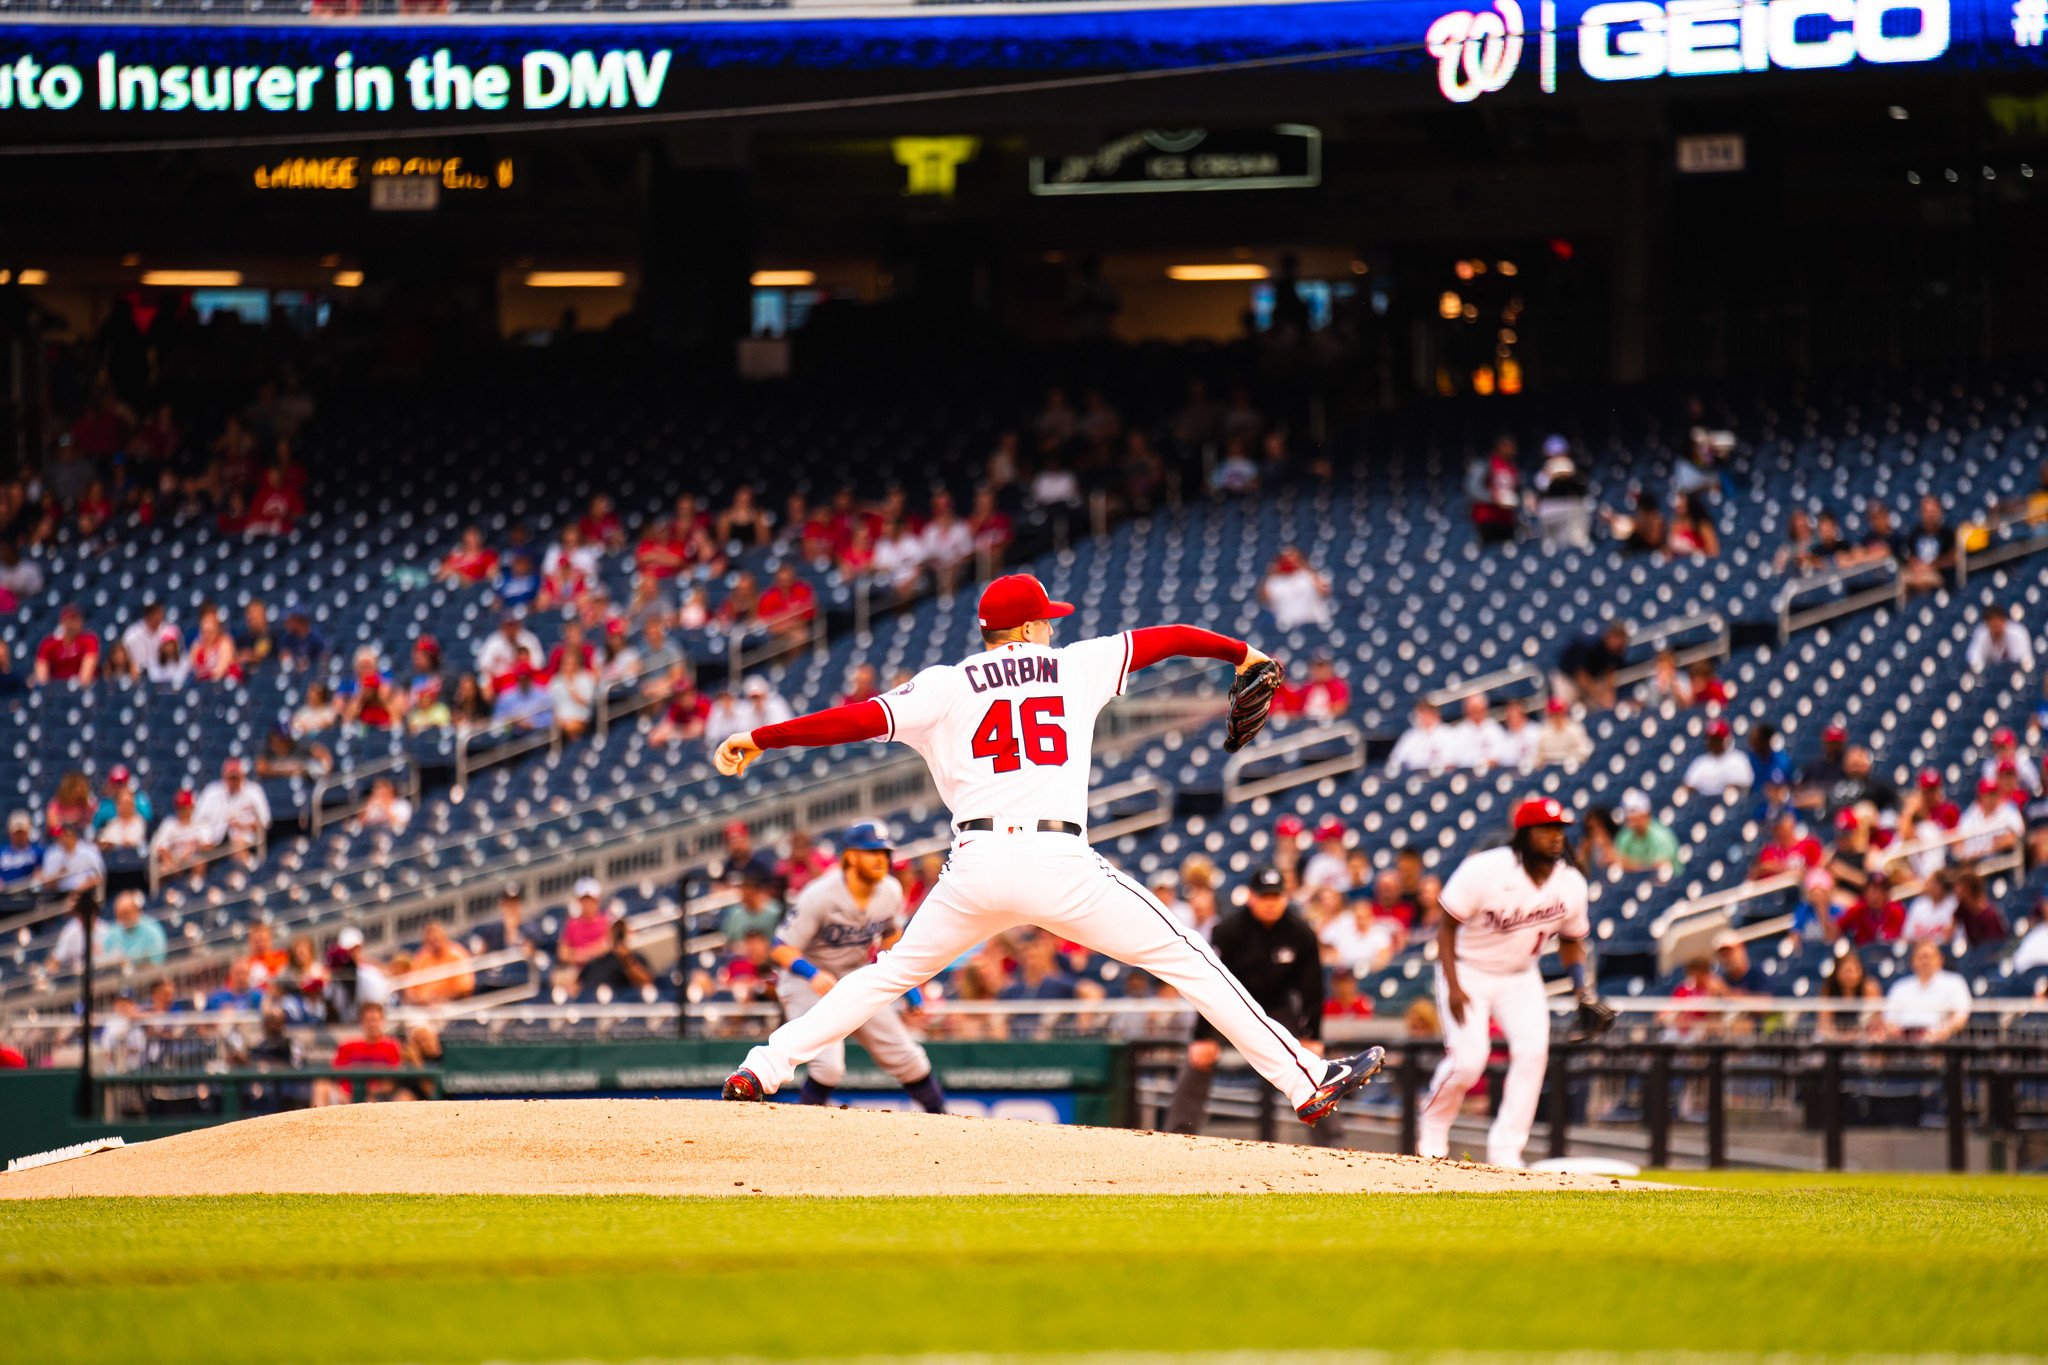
<point x="1150" y="644"/>
<point x="838" y="725"/>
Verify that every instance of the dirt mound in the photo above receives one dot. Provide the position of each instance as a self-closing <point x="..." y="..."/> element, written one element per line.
<point x="675" y="1147"/>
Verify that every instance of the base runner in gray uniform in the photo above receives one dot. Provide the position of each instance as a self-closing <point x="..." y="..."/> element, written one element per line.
<point x="834" y="927"/>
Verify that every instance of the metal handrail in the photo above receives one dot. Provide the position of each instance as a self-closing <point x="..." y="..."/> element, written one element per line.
<point x="317" y="816"/>
<point x="1352" y="759"/>
<point x="1892" y="590"/>
<point x="466" y="741"/>
<point x="1999" y="553"/>
<point x="1490" y="682"/>
<point x="739" y="659"/>
<point x="160" y="873"/>
<point x="1785" y="881"/>
<point x="1717" y="647"/>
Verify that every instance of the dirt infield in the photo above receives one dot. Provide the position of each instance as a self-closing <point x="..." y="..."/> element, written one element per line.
<point x="688" y="1147"/>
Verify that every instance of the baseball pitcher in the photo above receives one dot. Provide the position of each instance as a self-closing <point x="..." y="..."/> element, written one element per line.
<point x="833" y="926"/>
<point x="1008" y="734"/>
<point x="1502" y="908"/>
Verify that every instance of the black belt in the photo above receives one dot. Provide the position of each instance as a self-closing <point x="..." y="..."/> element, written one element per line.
<point x="1044" y="827"/>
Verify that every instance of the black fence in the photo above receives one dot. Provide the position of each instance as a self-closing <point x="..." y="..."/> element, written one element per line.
<point x="1596" y="1094"/>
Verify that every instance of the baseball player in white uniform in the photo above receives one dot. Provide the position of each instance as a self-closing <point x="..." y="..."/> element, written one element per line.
<point x="833" y="928"/>
<point x="1502" y="908"/>
<point x="1008" y="734"/>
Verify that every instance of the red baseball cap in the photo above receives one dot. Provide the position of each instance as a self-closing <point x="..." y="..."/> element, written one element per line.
<point x="1834" y="734"/>
<point x="1541" y="810"/>
<point x="1845" y="819"/>
<point x="1929" y="778"/>
<point x="2007" y="765"/>
<point x="1986" y="787"/>
<point x="232" y="765"/>
<point x="118" y="775"/>
<point x="1329" y="828"/>
<point x="1289" y="827"/>
<point x="184" y="798"/>
<point x="2005" y="739"/>
<point x="1015" y="598"/>
<point x="1555" y="706"/>
<point x="1718" y="727"/>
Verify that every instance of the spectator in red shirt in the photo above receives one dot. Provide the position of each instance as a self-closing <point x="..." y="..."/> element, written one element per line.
<point x="817" y="542"/>
<point x="1788" y="849"/>
<point x="861" y="685"/>
<point x="683" y="719"/>
<point x="857" y="557"/>
<point x="789" y="606"/>
<point x="276" y="508"/>
<point x="574" y="642"/>
<point x="601" y="525"/>
<point x="1874" y="917"/>
<point x="1707" y="690"/>
<point x="375" y="1048"/>
<point x="991" y="527"/>
<point x="471" y="562"/>
<point x="1344" y="1000"/>
<point x="373" y="706"/>
<point x="1934" y="802"/>
<point x="93" y="511"/>
<point x="1321" y="696"/>
<point x="662" y="553"/>
<point x="804" y="862"/>
<point x="213" y="656"/>
<point x="72" y="654"/>
<point x="742" y="605"/>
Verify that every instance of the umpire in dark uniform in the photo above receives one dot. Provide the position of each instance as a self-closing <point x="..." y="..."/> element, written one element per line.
<point x="1269" y="946"/>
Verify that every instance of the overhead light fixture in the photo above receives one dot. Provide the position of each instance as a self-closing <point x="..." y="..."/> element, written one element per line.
<point x="575" y="279"/>
<point x="1898" y="113"/>
<point x="783" y="279"/>
<point x="33" y="277"/>
<point x="1249" y="270"/>
<point x="1449" y="305"/>
<point x="6" y="277"/>
<point x="348" y="279"/>
<point x="190" y="279"/>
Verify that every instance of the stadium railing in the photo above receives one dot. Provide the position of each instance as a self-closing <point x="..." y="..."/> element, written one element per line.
<point x="1345" y="737"/>
<point x="356" y="778"/>
<point x="1688" y="928"/>
<point x="1718" y="642"/>
<point x="1888" y="586"/>
<point x="1996" y="551"/>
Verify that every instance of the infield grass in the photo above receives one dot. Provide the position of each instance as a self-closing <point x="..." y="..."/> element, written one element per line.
<point x="1809" y="1264"/>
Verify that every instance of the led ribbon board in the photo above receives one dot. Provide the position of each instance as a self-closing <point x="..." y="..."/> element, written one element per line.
<point x="55" y="78"/>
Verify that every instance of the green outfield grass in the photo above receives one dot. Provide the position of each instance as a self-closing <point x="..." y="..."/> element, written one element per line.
<point x="1802" y="1263"/>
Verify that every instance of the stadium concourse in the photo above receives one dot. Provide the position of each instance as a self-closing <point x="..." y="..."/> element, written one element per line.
<point x="384" y="647"/>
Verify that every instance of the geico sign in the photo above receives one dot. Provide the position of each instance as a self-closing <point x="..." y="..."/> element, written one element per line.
<point x="1633" y="40"/>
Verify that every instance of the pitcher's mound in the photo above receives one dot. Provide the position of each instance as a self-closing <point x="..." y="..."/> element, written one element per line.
<point x="704" y="1147"/>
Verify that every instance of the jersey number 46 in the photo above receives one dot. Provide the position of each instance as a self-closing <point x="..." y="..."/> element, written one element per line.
<point x="1044" y="742"/>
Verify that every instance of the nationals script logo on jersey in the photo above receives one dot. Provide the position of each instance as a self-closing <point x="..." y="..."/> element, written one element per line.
<point x="1009" y="733"/>
<point x="1507" y="921"/>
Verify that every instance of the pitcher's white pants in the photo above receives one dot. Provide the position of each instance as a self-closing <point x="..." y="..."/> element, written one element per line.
<point x="1516" y="999"/>
<point x="995" y="882"/>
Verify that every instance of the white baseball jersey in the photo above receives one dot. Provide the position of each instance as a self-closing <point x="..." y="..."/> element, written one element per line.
<point x="1504" y="919"/>
<point x="830" y="930"/>
<point x="1008" y="733"/>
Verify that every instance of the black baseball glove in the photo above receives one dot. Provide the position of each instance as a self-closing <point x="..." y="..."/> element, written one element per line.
<point x="1591" y="1019"/>
<point x="1251" y="697"/>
